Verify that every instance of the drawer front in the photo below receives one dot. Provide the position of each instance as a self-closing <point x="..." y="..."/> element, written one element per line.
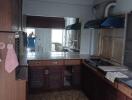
<point x="54" y="62"/>
<point x="126" y="90"/>
<point x="36" y="63"/>
<point x="72" y="62"/>
<point x="46" y="63"/>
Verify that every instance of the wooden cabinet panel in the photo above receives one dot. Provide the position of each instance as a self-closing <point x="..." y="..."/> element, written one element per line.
<point x="44" y="78"/>
<point x="129" y="99"/>
<point x="120" y="96"/>
<point x="10" y="88"/>
<point x="9" y="15"/>
<point x="126" y="90"/>
<point x="106" y="47"/>
<point x="38" y="78"/>
<point x="117" y="49"/>
<point x="87" y="82"/>
<point x="72" y="62"/>
<point x="46" y="63"/>
<point x="76" y="76"/>
<point x="98" y="89"/>
<point x="111" y="44"/>
<point x="56" y="77"/>
<point x="21" y="90"/>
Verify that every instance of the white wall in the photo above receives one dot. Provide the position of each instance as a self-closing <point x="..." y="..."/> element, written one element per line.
<point x="43" y="40"/>
<point x="123" y="6"/>
<point x="100" y="9"/>
<point x="59" y="9"/>
<point x="85" y="42"/>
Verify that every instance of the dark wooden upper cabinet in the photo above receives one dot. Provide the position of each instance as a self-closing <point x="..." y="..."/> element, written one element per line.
<point x="45" y="22"/>
<point x="10" y="15"/>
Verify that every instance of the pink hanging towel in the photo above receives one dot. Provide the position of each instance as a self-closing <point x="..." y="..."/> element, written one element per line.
<point x="11" y="61"/>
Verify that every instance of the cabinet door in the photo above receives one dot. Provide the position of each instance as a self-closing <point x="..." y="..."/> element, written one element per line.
<point x="88" y="82"/>
<point x="9" y="15"/>
<point x="56" y="77"/>
<point x="76" y="76"/>
<point x="38" y="78"/>
<point x="129" y="99"/>
<point x="117" y="49"/>
<point x="106" y="47"/>
<point x="21" y="90"/>
<point x="120" y="96"/>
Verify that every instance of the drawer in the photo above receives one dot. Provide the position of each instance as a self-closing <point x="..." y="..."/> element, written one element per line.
<point x="54" y="62"/>
<point x="36" y="63"/>
<point x="72" y="62"/>
<point x="126" y="90"/>
<point x="46" y="63"/>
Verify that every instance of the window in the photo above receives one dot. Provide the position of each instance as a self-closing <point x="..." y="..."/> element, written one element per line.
<point x="57" y="39"/>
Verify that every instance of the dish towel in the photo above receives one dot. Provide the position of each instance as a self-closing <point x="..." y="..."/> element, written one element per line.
<point x="11" y="61"/>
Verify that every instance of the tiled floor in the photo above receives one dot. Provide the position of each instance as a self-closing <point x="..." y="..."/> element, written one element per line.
<point x="63" y="95"/>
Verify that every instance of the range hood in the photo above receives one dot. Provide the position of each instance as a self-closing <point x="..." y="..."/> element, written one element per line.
<point x="109" y="22"/>
<point x="94" y="24"/>
<point x="76" y="26"/>
<point x="113" y="22"/>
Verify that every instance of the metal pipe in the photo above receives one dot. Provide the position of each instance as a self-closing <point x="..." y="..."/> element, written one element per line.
<point x="107" y="8"/>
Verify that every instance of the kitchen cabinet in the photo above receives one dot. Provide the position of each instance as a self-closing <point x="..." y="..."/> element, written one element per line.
<point x="112" y="44"/>
<point x="96" y="87"/>
<point x="87" y="82"/>
<point x="45" y="75"/>
<point x="129" y="99"/>
<point x="106" y="47"/>
<point x="117" y="49"/>
<point x="38" y="78"/>
<point x="72" y="66"/>
<point x="10" y="15"/>
<point x="54" y="74"/>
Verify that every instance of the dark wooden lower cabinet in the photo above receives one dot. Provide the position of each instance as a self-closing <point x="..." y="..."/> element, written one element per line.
<point x="56" y="77"/>
<point x="96" y="88"/>
<point x="46" y="78"/>
<point x="38" y="79"/>
<point x="76" y="76"/>
<point x="129" y="99"/>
